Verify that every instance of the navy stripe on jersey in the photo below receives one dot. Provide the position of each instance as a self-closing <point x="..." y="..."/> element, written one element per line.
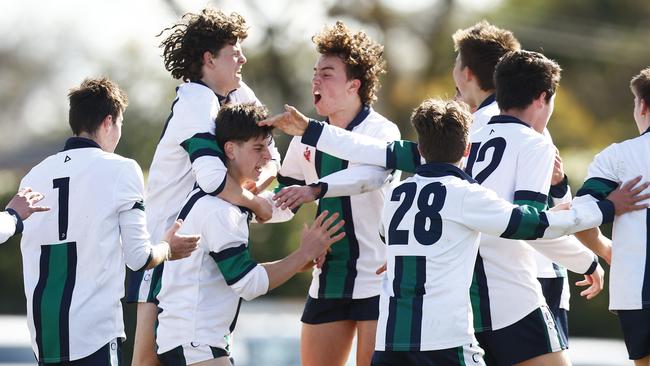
<point x="506" y="119"/>
<point x="645" y="294"/>
<point x="404" y="323"/>
<point x="233" y="324"/>
<point x="560" y="190"/>
<point x="156" y="283"/>
<point x="599" y="188"/>
<point x="489" y="100"/>
<point x="171" y="114"/>
<point x="480" y="297"/>
<point x="133" y="289"/>
<point x="76" y="142"/>
<point x="138" y="205"/>
<point x="312" y="133"/>
<point x="51" y="301"/>
<point x="187" y="207"/>
<point x="288" y="181"/>
<point x="431" y="170"/>
<point x="403" y="155"/>
<point x="234" y="263"/>
<point x="531" y="198"/>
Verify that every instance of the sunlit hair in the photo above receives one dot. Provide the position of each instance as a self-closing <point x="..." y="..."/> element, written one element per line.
<point x="92" y="101"/>
<point x="189" y="39"/>
<point x="442" y="127"/>
<point x="480" y="47"/>
<point x="522" y="76"/>
<point x="238" y="123"/>
<point x="640" y="85"/>
<point x="363" y="58"/>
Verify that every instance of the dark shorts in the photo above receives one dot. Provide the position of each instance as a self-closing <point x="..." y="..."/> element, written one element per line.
<point x="109" y="355"/>
<point x="144" y="286"/>
<point x="457" y="356"/>
<point x="636" y="332"/>
<point x="319" y="311"/>
<point x="188" y="354"/>
<point x="552" y="289"/>
<point x="532" y="336"/>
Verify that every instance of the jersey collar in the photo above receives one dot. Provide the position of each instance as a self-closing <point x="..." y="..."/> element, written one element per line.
<point x="489" y="100"/>
<point x="222" y="99"/>
<point x="431" y="170"/>
<point x="646" y="131"/>
<point x="77" y="142"/>
<point x="502" y="118"/>
<point x="363" y="113"/>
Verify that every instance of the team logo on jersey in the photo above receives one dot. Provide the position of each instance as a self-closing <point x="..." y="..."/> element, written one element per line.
<point x="67" y="159"/>
<point x="307" y="154"/>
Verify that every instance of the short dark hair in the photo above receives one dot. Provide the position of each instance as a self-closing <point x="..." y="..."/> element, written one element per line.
<point x="480" y="47"/>
<point x="210" y="30"/>
<point x="92" y="101"/>
<point x="522" y="76"/>
<point x="363" y="57"/>
<point x="238" y="123"/>
<point x="442" y="127"/>
<point x="640" y="85"/>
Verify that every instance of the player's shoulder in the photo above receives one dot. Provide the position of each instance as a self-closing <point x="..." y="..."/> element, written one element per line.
<point x="244" y="94"/>
<point x="376" y="124"/>
<point x="191" y="93"/>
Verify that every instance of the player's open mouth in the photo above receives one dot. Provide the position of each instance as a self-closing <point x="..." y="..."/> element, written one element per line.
<point x="317" y="97"/>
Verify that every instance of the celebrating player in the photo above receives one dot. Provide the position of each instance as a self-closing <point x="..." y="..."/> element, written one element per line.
<point x="204" y="50"/>
<point x="344" y="293"/>
<point x="629" y="285"/>
<point x="74" y="257"/>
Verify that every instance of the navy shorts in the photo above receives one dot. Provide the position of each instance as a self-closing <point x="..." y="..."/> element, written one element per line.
<point x="532" y="336"/>
<point x="109" y="355"/>
<point x="187" y="354"/>
<point x="457" y="356"/>
<point x="552" y="289"/>
<point x="636" y="332"/>
<point x="319" y="311"/>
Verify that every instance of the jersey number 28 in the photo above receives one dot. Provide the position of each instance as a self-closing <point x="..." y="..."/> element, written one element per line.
<point x="430" y="200"/>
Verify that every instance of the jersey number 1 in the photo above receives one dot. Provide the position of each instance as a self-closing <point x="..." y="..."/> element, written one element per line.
<point x="63" y="185"/>
<point x="428" y="211"/>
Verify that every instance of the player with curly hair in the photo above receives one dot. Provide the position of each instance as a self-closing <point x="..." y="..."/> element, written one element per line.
<point x="204" y="51"/>
<point x="343" y="297"/>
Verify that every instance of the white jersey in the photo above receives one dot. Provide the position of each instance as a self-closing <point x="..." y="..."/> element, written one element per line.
<point x="488" y="109"/>
<point x="8" y="226"/>
<point x="431" y="224"/>
<point x="201" y="294"/>
<point x="186" y="154"/>
<point x="629" y="276"/>
<point x="357" y="193"/>
<point x="74" y="255"/>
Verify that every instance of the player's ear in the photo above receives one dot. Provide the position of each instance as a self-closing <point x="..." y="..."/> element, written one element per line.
<point x="207" y="58"/>
<point x="107" y="122"/>
<point x="355" y="84"/>
<point x="229" y="150"/>
<point x="644" y="107"/>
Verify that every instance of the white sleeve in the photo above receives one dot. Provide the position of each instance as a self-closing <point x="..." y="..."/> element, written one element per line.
<point x="290" y="173"/>
<point x="226" y="234"/>
<point x="129" y="195"/>
<point x="7" y="226"/>
<point x="358" y="179"/>
<point x="567" y="251"/>
<point x="194" y="121"/>
<point x="533" y="174"/>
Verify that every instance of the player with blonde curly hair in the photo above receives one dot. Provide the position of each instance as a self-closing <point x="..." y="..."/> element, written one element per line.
<point x="204" y="51"/>
<point x="343" y="297"/>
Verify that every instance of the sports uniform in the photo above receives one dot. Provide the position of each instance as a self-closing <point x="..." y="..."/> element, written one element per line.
<point x="186" y="154"/>
<point x="74" y="256"/>
<point x="10" y="225"/>
<point x="629" y="279"/>
<point x="431" y="223"/>
<point x="201" y="295"/>
<point x="505" y="144"/>
<point x="346" y="287"/>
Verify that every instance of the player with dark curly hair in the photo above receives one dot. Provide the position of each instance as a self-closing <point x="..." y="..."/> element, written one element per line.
<point x="343" y="297"/>
<point x="204" y="51"/>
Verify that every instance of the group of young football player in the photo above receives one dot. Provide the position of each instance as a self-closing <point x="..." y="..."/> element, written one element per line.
<point x="442" y="268"/>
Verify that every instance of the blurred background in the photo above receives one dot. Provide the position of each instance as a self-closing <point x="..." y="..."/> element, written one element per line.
<point x="48" y="47"/>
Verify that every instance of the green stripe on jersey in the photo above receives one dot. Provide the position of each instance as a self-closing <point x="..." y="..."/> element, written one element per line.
<point x="55" y="301"/>
<point x="405" y="314"/>
<point x="404" y="153"/>
<point x="529" y="224"/>
<point x="234" y="263"/>
<point x="461" y="356"/>
<point x="195" y="143"/>
<point x="475" y="298"/>
<point x="537" y="205"/>
<point x="597" y="187"/>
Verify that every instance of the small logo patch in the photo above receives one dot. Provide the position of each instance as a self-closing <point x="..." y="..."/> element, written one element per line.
<point x="307" y="154"/>
<point x="67" y="159"/>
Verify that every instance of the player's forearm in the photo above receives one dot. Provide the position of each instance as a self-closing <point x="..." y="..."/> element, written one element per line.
<point x="281" y="271"/>
<point x="355" y="180"/>
<point x="596" y="242"/>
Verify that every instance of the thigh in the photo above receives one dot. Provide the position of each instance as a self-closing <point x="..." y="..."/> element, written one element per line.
<point x="221" y="361"/>
<point x="366" y="332"/>
<point x="144" y="344"/>
<point x="326" y="344"/>
<point x="636" y="332"/>
<point x="559" y="358"/>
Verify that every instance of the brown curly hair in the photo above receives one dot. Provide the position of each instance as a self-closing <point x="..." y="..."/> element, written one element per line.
<point x="210" y="30"/>
<point x="363" y="58"/>
<point x="480" y="47"/>
<point x="442" y="127"/>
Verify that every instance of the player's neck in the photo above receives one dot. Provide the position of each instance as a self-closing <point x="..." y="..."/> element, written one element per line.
<point x="479" y="97"/>
<point x="528" y="116"/>
<point x="344" y="116"/>
<point x="95" y="138"/>
<point x="215" y="87"/>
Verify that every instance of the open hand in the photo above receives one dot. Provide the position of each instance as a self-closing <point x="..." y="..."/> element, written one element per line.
<point x="180" y="246"/>
<point x="293" y="196"/>
<point x="322" y="233"/>
<point x="595" y="281"/>
<point x="291" y="122"/>
<point x="626" y="196"/>
<point x="23" y="203"/>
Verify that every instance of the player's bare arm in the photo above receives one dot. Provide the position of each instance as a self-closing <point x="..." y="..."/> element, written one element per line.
<point x="235" y="194"/>
<point x="24" y="203"/>
<point x="291" y="121"/>
<point x="596" y="242"/>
